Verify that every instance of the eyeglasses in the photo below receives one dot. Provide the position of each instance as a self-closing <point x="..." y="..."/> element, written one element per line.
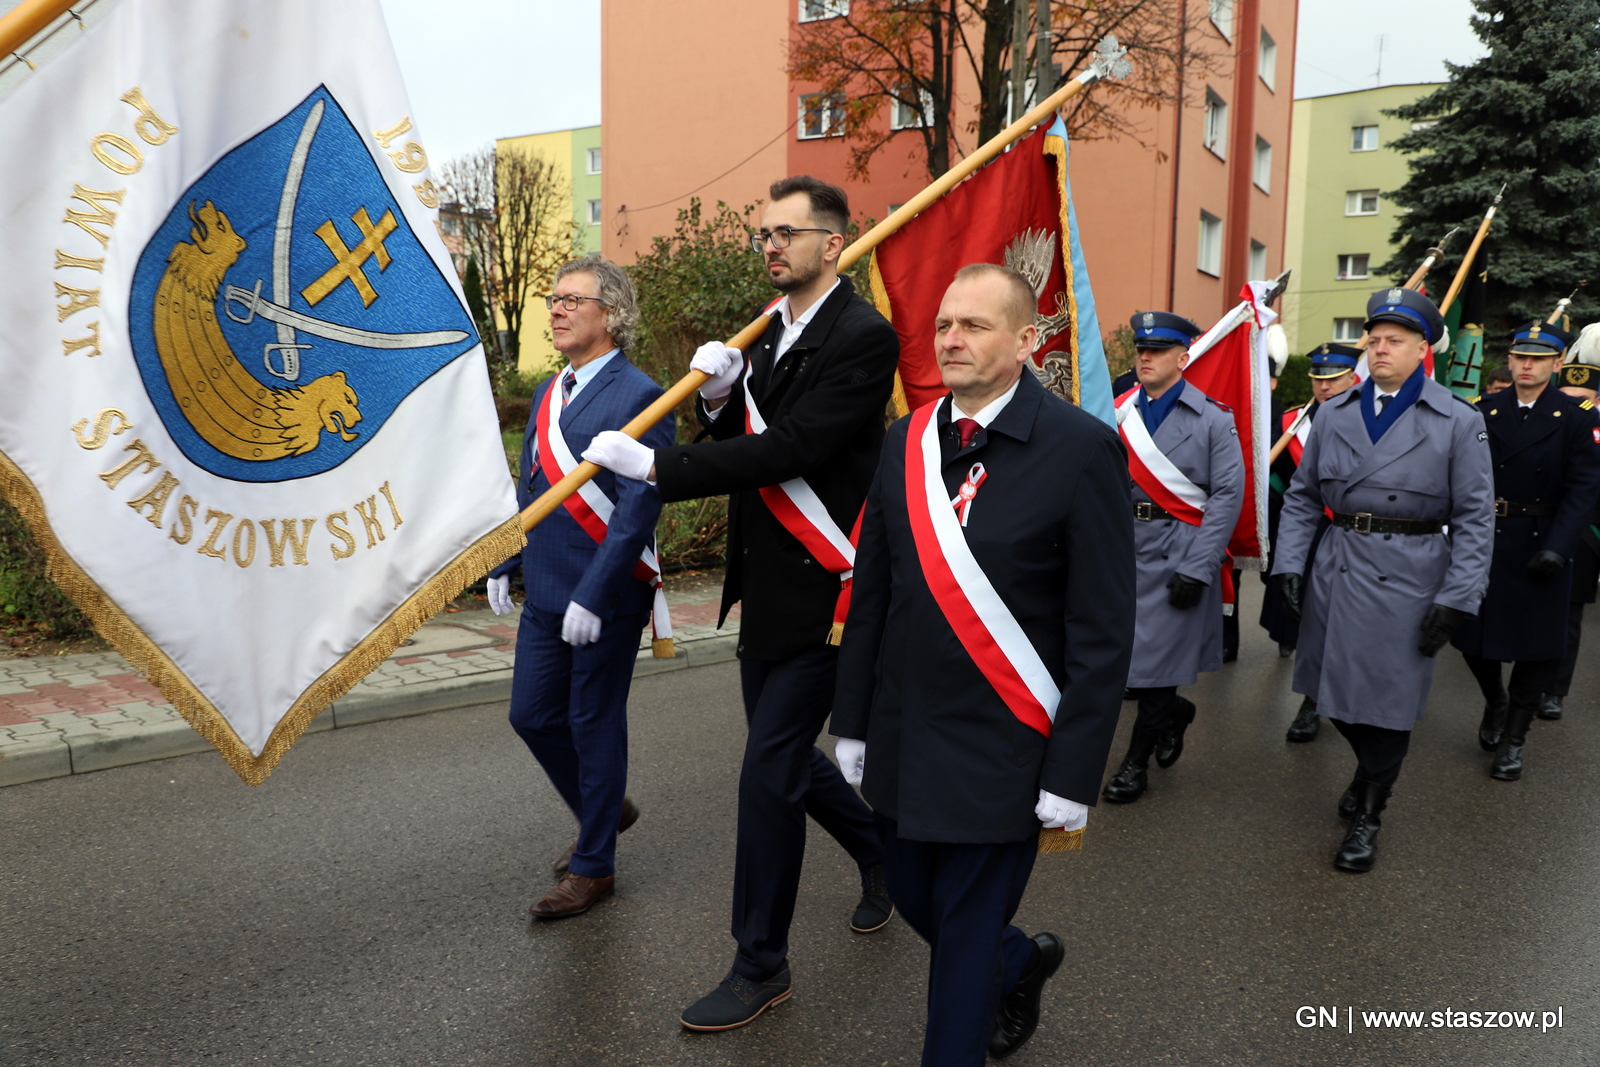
<point x="570" y="302"/>
<point x="780" y="237"/>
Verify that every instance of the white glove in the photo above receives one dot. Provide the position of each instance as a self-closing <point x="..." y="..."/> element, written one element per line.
<point x="580" y="626"/>
<point x="1059" y="813"/>
<point x="852" y="758"/>
<point x="500" y="595"/>
<point x="616" y="451"/>
<point x="722" y="363"/>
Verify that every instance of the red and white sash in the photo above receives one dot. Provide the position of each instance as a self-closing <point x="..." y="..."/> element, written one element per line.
<point x="592" y="510"/>
<point x="800" y="511"/>
<point x="982" y="622"/>
<point x="1297" y="443"/>
<point x="1166" y="485"/>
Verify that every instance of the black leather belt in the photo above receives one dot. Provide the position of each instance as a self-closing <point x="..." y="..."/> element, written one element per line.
<point x="1504" y="508"/>
<point x="1144" y="511"/>
<point x="1364" y="522"/>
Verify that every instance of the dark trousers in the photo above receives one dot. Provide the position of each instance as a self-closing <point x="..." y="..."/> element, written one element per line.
<point x="960" y="899"/>
<point x="1230" y="623"/>
<point x="1530" y="678"/>
<point x="784" y="779"/>
<point x="1561" y="685"/>
<point x="571" y="707"/>
<point x="1156" y="706"/>
<point x="1379" y="750"/>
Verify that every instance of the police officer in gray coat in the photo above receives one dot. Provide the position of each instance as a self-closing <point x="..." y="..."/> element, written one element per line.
<point x="1397" y="460"/>
<point x="1180" y="549"/>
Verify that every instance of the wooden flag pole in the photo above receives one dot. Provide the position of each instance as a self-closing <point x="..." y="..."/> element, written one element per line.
<point x="27" y="19"/>
<point x="1109" y="63"/>
<point x="1472" y="254"/>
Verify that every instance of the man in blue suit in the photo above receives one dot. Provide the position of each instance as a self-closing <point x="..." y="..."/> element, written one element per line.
<point x="587" y="575"/>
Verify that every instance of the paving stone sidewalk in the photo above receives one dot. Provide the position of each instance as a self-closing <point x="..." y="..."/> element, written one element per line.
<point x="62" y="715"/>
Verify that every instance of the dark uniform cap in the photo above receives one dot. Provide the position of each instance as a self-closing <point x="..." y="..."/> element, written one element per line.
<point x="1162" y="329"/>
<point x="1539" y="339"/>
<point x="1407" y="307"/>
<point x="1333" y="359"/>
<point x="1580" y="375"/>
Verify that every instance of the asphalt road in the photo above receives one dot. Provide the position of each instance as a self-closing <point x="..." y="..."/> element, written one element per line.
<point x="367" y="904"/>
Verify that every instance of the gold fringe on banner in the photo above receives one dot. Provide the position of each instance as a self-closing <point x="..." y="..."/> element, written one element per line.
<point x="148" y="659"/>
<point x="1058" y="150"/>
<point x="663" y="648"/>
<point x="1060" y="841"/>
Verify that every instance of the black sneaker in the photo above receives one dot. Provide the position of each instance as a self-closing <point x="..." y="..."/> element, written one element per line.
<point x="875" y="909"/>
<point x="736" y="1002"/>
<point x="1018" y="1016"/>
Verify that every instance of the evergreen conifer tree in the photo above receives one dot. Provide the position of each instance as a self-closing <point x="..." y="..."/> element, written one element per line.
<point x="1526" y="115"/>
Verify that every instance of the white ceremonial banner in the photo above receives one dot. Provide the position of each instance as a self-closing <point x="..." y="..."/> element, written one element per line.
<point x="245" y="410"/>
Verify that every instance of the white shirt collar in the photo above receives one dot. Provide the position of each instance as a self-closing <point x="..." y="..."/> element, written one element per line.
<point x="789" y="321"/>
<point x="588" y="371"/>
<point x="989" y="411"/>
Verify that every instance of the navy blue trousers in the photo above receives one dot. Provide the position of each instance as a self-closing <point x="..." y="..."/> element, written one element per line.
<point x="571" y="707"/>
<point x="961" y="898"/>
<point x="784" y="779"/>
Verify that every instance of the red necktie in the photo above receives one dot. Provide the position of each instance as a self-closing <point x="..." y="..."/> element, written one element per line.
<point x="969" y="430"/>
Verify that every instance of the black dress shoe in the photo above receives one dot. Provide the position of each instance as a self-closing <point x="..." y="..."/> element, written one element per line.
<point x="1018" y="1016"/>
<point x="1494" y="722"/>
<point x="1359" y="853"/>
<point x="1306" y="723"/>
<point x="630" y="815"/>
<point x="1170" y="747"/>
<point x="1550" y="707"/>
<point x="875" y="909"/>
<point x="1285" y="651"/>
<point x="736" y="1002"/>
<point x="1133" y="777"/>
<point x="1508" y="757"/>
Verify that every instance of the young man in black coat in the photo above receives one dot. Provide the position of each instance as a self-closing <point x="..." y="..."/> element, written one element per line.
<point x="796" y="431"/>
<point x="984" y="657"/>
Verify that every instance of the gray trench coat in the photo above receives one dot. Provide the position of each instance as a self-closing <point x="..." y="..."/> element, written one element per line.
<point x="1367" y="594"/>
<point x="1172" y="647"/>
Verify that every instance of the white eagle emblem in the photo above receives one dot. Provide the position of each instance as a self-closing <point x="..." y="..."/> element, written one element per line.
<point x="1032" y="254"/>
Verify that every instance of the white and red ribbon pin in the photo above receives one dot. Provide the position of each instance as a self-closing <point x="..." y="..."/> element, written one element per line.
<point x="962" y="501"/>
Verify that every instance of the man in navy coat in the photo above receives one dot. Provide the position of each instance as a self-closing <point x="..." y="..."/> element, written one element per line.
<point x="579" y="631"/>
<point x="959" y="780"/>
<point x="1546" y="452"/>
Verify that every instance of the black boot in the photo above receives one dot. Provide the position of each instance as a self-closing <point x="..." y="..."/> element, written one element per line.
<point x="1306" y="724"/>
<point x="1347" y="803"/>
<point x="1170" y="745"/>
<point x="1508" y="758"/>
<point x="1550" y="707"/>
<point x="1359" y="853"/>
<point x="1494" y="722"/>
<point x="1133" y="778"/>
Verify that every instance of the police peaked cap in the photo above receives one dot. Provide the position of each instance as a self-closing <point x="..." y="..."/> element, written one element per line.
<point x="1162" y="329"/>
<point x="1333" y="359"/>
<point x="1408" y="308"/>
<point x="1539" y="339"/>
<point x="1580" y="375"/>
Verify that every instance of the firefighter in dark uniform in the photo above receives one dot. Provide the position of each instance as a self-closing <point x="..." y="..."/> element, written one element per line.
<point x="1581" y="382"/>
<point x="1333" y="370"/>
<point x="1545" y="447"/>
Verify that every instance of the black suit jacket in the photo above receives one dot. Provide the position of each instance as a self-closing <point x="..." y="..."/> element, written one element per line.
<point x="1553" y="458"/>
<point x="824" y="405"/>
<point x="1052" y="528"/>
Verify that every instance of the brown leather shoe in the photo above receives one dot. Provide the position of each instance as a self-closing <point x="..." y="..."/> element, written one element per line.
<point x="630" y="815"/>
<point x="573" y="895"/>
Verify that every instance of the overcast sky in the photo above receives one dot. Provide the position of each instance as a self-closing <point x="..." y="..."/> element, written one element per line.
<point x="481" y="69"/>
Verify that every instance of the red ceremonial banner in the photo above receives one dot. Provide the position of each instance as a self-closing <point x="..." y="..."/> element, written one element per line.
<point x="1231" y="371"/>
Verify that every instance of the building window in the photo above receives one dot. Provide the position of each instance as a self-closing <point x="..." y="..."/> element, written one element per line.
<point x="1352" y="268"/>
<point x="1426" y="124"/>
<point x="449" y="224"/>
<point x="903" y="116"/>
<point x="1363" y="138"/>
<point x="594" y="213"/>
<point x="1222" y="17"/>
<point x="594" y="161"/>
<point x="1263" y="168"/>
<point x="1216" y="132"/>
<point x="894" y="207"/>
<point x="1210" y="258"/>
<point x="1346" y="330"/>
<point x="817" y="10"/>
<point x="1361" y="202"/>
<point x="821" y="115"/>
<point x="1258" y="260"/>
<point x="1267" y="61"/>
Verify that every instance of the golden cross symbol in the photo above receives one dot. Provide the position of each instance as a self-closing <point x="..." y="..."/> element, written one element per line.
<point x="348" y="261"/>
